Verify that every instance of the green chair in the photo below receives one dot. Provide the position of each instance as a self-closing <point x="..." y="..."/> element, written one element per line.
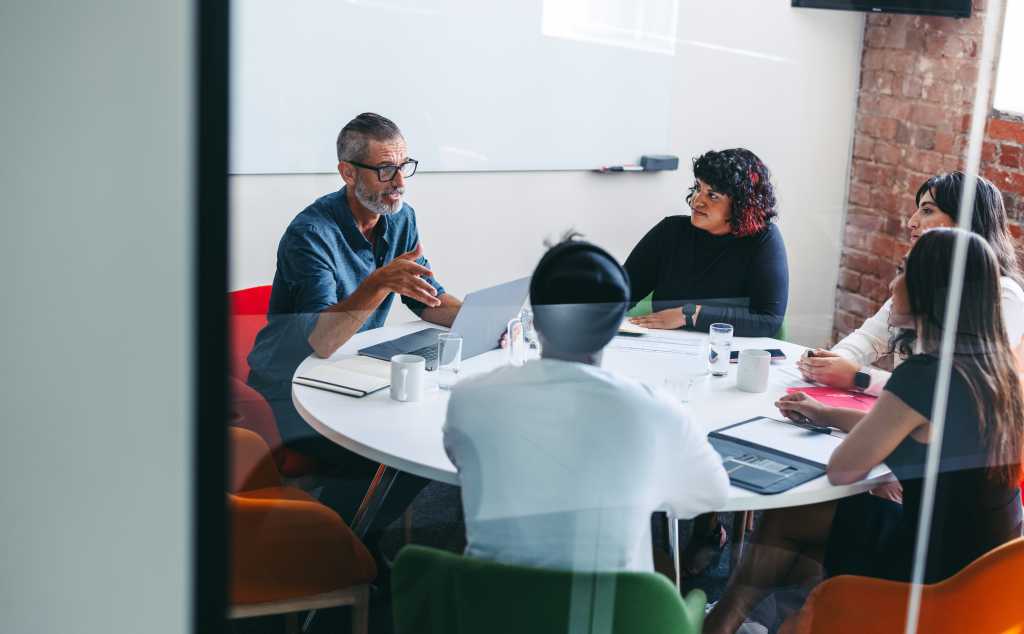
<point x="436" y="592"/>
<point x="643" y="307"/>
<point x="646" y="307"/>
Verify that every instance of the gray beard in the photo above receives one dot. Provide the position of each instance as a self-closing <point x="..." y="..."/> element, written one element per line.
<point x="374" y="203"/>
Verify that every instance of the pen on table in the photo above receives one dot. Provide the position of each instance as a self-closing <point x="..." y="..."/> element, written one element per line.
<point x="806" y="423"/>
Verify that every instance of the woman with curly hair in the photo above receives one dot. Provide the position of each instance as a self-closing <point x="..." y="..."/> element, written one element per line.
<point x="726" y="262"/>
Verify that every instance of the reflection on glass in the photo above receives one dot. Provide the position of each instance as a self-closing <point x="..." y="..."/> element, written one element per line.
<point x="419" y="7"/>
<point x="1009" y="95"/>
<point x="647" y="25"/>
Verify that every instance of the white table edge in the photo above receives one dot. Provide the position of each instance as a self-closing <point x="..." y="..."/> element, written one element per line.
<point x="739" y="499"/>
<point x="370" y="453"/>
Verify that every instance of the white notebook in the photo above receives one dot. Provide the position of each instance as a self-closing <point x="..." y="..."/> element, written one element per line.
<point x="355" y="376"/>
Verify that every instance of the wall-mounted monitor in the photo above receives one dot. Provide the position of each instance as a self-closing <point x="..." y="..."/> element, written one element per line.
<point x="951" y="8"/>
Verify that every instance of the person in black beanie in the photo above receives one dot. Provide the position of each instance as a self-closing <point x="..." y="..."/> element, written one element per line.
<point x="561" y="463"/>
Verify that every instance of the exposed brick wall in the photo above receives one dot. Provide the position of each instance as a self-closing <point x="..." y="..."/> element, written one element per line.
<point x="918" y="76"/>
<point x="1002" y="162"/>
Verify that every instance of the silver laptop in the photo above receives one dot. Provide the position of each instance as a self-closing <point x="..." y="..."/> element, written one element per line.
<point x="481" y="321"/>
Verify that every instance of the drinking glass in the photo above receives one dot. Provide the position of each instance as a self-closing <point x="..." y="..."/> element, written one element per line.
<point x="516" y="344"/>
<point x="530" y="337"/>
<point x="449" y="359"/>
<point x="719" y="349"/>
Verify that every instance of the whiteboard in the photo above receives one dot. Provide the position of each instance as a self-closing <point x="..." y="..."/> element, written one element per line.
<point x="474" y="84"/>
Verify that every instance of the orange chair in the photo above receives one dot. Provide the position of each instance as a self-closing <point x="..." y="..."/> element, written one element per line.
<point x="984" y="597"/>
<point x="289" y="553"/>
<point x="248" y="310"/>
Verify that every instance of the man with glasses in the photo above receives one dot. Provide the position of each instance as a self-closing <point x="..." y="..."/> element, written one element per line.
<point x="339" y="265"/>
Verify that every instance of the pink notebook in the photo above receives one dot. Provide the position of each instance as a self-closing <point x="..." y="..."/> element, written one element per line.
<point x="838" y="398"/>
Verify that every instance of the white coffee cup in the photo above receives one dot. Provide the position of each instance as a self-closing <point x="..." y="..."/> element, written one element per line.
<point x="407" y="372"/>
<point x="752" y="375"/>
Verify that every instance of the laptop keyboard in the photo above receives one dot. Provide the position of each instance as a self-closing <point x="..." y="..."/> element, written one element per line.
<point x="429" y="353"/>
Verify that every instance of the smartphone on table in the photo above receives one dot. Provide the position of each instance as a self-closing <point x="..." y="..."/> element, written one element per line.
<point x="777" y="355"/>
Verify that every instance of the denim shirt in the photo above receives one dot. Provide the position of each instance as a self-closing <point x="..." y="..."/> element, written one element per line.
<point x="321" y="259"/>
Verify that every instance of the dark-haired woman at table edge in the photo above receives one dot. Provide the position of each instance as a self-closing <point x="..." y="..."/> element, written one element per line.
<point x="977" y="500"/>
<point x="726" y="262"/>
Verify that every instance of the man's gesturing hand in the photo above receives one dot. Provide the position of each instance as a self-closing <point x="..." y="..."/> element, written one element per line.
<point x="405" y="277"/>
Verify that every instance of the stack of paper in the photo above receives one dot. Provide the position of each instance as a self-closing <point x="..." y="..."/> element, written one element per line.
<point x="355" y="376"/>
<point x="629" y="328"/>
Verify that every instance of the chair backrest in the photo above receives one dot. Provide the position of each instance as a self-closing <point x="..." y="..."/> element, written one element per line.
<point x="252" y="466"/>
<point x="436" y="592"/>
<point x="248" y="310"/>
<point x="983" y="597"/>
<point x="250" y="410"/>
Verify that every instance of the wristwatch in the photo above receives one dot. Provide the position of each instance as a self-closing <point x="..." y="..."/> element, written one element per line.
<point x="688" y="311"/>
<point x="861" y="380"/>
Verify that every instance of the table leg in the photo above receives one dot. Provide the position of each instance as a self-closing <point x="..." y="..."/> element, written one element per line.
<point x="378" y="490"/>
<point x="740" y="521"/>
<point x="673" y="545"/>
<point x="376" y="493"/>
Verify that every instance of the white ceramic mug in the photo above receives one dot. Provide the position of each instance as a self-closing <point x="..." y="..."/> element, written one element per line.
<point x="752" y="375"/>
<point x="407" y="372"/>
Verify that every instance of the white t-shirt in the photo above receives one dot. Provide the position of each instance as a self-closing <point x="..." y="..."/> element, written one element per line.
<point x="561" y="465"/>
<point x="869" y="342"/>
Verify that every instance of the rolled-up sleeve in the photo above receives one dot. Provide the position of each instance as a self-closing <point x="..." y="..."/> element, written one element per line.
<point x="305" y="264"/>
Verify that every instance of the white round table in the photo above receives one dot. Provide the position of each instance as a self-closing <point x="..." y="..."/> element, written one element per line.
<point x="407" y="436"/>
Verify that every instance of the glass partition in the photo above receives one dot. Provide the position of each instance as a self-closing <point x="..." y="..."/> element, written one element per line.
<point x="740" y="358"/>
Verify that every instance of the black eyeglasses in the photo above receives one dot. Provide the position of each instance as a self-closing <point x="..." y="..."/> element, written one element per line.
<point x="388" y="172"/>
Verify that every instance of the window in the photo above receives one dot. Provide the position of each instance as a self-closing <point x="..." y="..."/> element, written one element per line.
<point x="1009" y="95"/>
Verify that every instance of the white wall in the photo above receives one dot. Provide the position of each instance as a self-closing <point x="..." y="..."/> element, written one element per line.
<point x="777" y="80"/>
<point x="95" y="325"/>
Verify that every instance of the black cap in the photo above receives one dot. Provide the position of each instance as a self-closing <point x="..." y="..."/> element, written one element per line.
<point x="579" y="294"/>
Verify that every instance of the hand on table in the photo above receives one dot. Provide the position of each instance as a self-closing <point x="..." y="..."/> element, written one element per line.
<point x="793" y="405"/>
<point x="892" y="491"/>
<point x="828" y="368"/>
<point x="404" y="276"/>
<point x="668" y="319"/>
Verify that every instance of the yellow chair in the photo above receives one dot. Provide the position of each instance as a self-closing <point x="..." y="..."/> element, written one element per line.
<point x="983" y="598"/>
<point x="289" y="553"/>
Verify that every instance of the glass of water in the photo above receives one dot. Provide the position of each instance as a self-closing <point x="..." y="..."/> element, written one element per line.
<point x="719" y="349"/>
<point x="530" y="337"/>
<point x="449" y="359"/>
<point x="516" y="342"/>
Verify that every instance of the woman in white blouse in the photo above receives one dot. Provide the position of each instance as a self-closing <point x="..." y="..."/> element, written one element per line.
<point x="848" y="364"/>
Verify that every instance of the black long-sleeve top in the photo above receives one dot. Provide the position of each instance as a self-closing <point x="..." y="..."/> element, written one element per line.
<point x="738" y="281"/>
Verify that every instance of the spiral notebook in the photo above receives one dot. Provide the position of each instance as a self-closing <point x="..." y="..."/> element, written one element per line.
<point x="355" y="376"/>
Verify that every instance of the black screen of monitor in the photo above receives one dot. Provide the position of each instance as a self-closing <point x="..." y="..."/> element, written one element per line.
<point x="955" y="8"/>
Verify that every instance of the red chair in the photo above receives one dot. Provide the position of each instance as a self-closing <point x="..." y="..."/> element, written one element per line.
<point x="248" y="310"/>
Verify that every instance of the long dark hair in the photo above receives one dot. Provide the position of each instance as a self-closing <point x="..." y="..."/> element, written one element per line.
<point x="742" y="176"/>
<point x="981" y="354"/>
<point x="988" y="219"/>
